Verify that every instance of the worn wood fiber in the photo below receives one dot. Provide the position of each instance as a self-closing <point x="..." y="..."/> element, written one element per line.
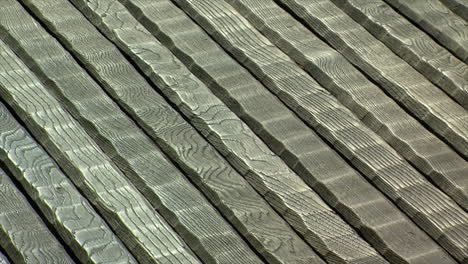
<point x="368" y="152"/>
<point x="23" y="234"/>
<point x="132" y="217"/>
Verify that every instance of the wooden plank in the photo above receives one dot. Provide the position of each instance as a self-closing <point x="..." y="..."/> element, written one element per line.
<point x="459" y="7"/>
<point x="289" y="137"/>
<point x="377" y="160"/>
<point x="366" y="100"/>
<point x="406" y="85"/>
<point x="438" y="21"/>
<point x="283" y="189"/>
<point x="411" y="44"/>
<point x="130" y="215"/>
<point x="23" y="234"/>
<point x="84" y="231"/>
<point x="167" y="189"/>
<point x="233" y="196"/>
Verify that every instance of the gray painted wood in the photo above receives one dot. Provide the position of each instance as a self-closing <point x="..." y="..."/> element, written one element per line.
<point x="438" y="21"/>
<point x="84" y="231"/>
<point x="459" y="7"/>
<point x="23" y="234"/>
<point x="413" y="45"/>
<point x="283" y="189"/>
<point x="175" y="198"/>
<point x="132" y="217"/>
<point x="289" y="137"/>
<point x="406" y="85"/>
<point x="430" y="208"/>
<point x="367" y="101"/>
<point x="234" y="197"/>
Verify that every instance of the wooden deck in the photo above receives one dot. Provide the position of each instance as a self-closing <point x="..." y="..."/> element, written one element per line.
<point x="233" y="131"/>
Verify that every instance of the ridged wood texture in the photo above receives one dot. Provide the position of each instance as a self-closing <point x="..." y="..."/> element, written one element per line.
<point x="406" y="85"/>
<point x="84" y="231"/>
<point x="459" y="7"/>
<point x="23" y="234"/>
<point x="366" y="100"/>
<point x="438" y="21"/>
<point x="289" y="137"/>
<point x="236" y="200"/>
<point x="144" y="231"/>
<point x="207" y="113"/>
<point x="431" y="209"/>
<point x="177" y="200"/>
<point x="413" y="45"/>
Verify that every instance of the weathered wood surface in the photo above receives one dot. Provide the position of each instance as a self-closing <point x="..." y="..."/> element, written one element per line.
<point x="437" y="20"/>
<point x="132" y="217"/>
<point x="406" y="85"/>
<point x="377" y="160"/>
<point x="23" y="234"/>
<point x="286" y="135"/>
<point x="283" y="189"/>
<point x="177" y="200"/>
<point x="366" y="100"/>
<point x="79" y="225"/>
<point x="238" y="202"/>
<point x="410" y="43"/>
<point x="459" y="7"/>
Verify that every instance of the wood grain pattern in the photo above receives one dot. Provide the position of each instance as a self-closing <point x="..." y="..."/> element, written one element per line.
<point x="286" y="134"/>
<point x="411" y="44"/>
<point x="285" y="191"/>
<point x="144" y="231"/>
<point x="459" y="7"/>
<point x="22" y="233"/>
<point x="246" y="210"/>
<point x="65" y="208"/>
<point x="406" y="85"/>
<point x="369" y="153"/>
<point x="178" y="201"/>
<point x="438" y="21"/>
<point x="366" y="100"/>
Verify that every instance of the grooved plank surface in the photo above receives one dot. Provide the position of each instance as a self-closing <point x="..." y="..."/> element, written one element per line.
<point x="23" y="234"/>
<point x="406" y="85"/>
<point x="406" y="40"/>
<point x="439" y="21"/>
<point x="113" y="81"/>
<point x="144" y="231"/>
<point x="378" y="111"/>
<point x="65" y="208"/>
<point x="234" y="131"/>
<point x="195" y="48"/>
<point x="161" y="182"/>
<point x="242" y="148"/>
<point x="378" y="161"/>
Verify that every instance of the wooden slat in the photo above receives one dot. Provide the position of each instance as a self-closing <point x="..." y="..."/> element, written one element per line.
<point x="411" y="44"/>
<point x="366" y="100"/>
<point x="431" y="209"/>
<point x="234" y="197"/>
<point x="65" y="208"/>
<point x="406" y="85"/>
<point x="459" y="7"/>
<point x="289" y="137"/>
<point x="438" y="21"/>
<point x="23" y="234"/>
<point x="283" y="189"/>
<point x="177" y="200"/>
<point x="143" y="231"/>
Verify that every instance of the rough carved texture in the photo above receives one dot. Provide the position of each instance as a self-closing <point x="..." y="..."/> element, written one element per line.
<point x="431" y="209"/>
<point x="23" y="234"/>
<point x="143" y="231"/>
